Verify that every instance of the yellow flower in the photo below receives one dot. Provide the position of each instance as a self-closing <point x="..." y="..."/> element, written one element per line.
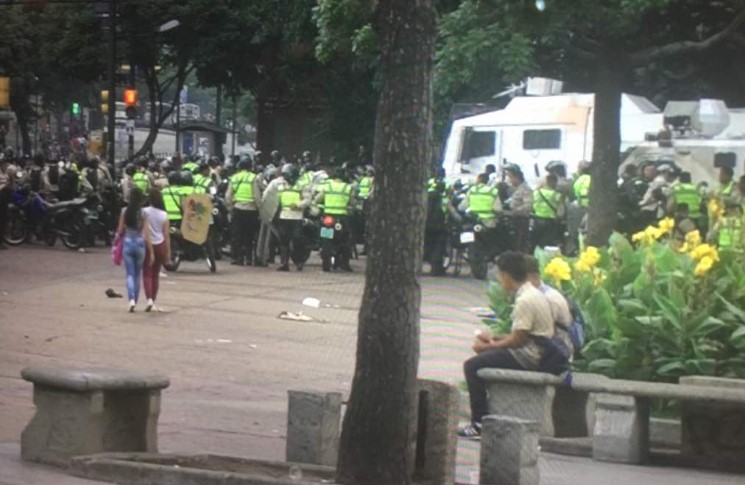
<point x="715" y="211"/>
<point x="648" y="236"/>
<point x="599" y="276"/>
<point x="693" y="239"/>
<point x="704" y="266"/>
<point x="559" y="270"/>
<point x="588" y="259"/>
<point x="705" y="251"/>
<point x="667" y="225"/>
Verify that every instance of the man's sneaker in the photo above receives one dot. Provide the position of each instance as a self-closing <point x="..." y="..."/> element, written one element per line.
<point x="149" y="305"/>
<point x="131" y="306"/>
<point x="471" y="431"/>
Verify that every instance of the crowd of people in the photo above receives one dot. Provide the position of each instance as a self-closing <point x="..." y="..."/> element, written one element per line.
<point x="554" y="214"/>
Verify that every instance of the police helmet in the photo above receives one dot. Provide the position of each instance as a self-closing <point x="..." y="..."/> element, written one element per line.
<point x="557" y="167"/>
<point x="201" y="167"/>
<point x="244" y="165"/>
<point x="290" y="172"/>
<point x="174" y="178"/>
<point x="187" y="179"/>
<point x="167" y="165"/>
<point x="513" y="168"/>
<point x="130" y="169"/>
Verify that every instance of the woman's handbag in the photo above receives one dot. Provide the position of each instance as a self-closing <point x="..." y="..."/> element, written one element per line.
<point x="116" y="250"/>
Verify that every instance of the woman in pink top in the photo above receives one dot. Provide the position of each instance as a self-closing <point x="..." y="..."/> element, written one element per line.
<point x="159" y="228"/>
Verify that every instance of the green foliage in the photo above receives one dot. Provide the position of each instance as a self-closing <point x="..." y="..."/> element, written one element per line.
<point x="651" y="315"/>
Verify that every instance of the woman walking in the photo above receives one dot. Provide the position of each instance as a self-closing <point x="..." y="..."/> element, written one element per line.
<point x="159" y="229"/>
<point x="133" y="227"/>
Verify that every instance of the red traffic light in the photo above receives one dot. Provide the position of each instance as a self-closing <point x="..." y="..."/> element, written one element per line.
<point x="130" y="97"/>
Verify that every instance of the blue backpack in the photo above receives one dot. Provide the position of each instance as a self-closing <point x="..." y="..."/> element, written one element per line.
<point x="577" y="329"/>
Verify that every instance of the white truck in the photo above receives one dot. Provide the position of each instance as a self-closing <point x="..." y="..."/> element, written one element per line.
<point x="534" y="130"/>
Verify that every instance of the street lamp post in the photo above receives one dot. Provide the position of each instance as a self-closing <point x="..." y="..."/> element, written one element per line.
<point x="111" y="121"/>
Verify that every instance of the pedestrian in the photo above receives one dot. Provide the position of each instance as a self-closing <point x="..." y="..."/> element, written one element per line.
<point x="160" y="239"/>
<point x="6" y="187"/>
<point x="133" y="228"/>
<point x="531" y="317"/>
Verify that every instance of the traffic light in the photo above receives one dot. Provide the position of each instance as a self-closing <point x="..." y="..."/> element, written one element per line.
<point x="75" y="109"/>
<point x="105" y="102"/>
<point x="130" y="103"/>
<point x="4" y="92"/>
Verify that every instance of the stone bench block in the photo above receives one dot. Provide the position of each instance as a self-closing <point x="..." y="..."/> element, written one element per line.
<point x="437" y="432"/>
<point x="509" y="451"/>
<point x="87" y="411"/>
<point x="531" y="400"/>
<point x="313" y="427"/>
<point x="621" y="433"/>
<point x="714" y="431"/>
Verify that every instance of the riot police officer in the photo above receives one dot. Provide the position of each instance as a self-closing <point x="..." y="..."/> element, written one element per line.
<point x="293" y="200"/>
<point x="244" y="198"/>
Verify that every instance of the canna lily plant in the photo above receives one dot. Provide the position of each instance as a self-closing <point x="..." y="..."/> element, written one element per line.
<point x="653" y="312"/>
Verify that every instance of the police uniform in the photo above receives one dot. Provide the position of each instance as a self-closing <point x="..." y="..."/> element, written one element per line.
<point x="546" y="213"/>
<point x="688" y="195"/>
<point x="243" y="197"/>
<point x="202" y="183"/>
<point x="483" y="200"/>
<point x="729" y="233"/>
<point x="142" y="182"/>
<point x="293" y="199"/>
<point x="337" y="199"/>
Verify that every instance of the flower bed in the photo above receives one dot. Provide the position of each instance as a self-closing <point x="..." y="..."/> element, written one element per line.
<point x="654" y="312"/>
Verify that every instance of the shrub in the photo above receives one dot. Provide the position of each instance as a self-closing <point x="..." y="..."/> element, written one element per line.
<point x="653" y="312"/>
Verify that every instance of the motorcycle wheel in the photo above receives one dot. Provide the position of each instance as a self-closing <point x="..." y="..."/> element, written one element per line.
<point x="175" y="256"/>
<point x="211" y="263"/>
<point x="73" y="237"/>
<point x="479" y="265"/>
<point x="16" y="230"/>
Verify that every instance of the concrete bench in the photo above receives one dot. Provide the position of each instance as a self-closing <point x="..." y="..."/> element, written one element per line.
<point x="87" y="411"/>
<point x="621" y="429"/>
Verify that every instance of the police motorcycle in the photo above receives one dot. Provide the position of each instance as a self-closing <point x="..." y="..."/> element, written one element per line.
<point x="185" y="250"/>
<point x="481" y="242"/>
<point x="335" y="235"/>
<point x="220" y="233"/>
<point x="29" y="214"/>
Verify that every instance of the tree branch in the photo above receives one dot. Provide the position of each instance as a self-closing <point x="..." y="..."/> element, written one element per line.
<point x="645" y="56"/>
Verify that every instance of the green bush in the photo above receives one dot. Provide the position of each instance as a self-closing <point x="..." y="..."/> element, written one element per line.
<point x="653" y="313"/>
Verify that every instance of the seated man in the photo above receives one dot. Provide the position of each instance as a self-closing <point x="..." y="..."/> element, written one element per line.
<point x="531" y="317"/>
<point x="561" y="313"/>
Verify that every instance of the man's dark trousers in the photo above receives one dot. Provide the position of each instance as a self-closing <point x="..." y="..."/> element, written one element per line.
<point x="245" y="228"/>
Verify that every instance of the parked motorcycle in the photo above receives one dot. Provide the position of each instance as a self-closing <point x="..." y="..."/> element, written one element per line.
<point x="481" y="245"/>
<point x="220" y="232"/>
<point x="183" y="250"/>
<point x="29" y="214"/>
<point x="333" y="234"/>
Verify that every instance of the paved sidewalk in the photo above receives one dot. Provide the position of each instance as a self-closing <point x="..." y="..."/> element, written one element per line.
<point x="230" y="359"/>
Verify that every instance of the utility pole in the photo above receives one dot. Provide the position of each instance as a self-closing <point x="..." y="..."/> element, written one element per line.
<point x="218" y="119"/>
<point x="235" y="124"/>
<point x="131" y="120"/>
<point x="111" y="125"/>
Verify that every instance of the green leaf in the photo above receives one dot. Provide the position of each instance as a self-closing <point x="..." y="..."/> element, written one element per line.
<point x="732" y="308"/>
<point x="737" y="339"/>
<point x="676" y="368"/>
<point x="671" y="312"/>
<point x="632" y="305"/>
<point x="602" y="366"/>
<point x="710" y="325"/>
<point x="703" y="367"/>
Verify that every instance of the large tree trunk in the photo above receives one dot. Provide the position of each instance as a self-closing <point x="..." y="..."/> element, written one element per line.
<point x="606" y="152"/>
<point x="379" y="432"/>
